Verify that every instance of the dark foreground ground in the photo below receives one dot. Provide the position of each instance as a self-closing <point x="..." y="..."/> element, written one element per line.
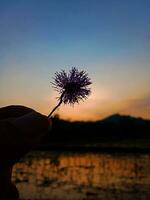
<point x="101" y="145"/>
<point x="115" y="133"/>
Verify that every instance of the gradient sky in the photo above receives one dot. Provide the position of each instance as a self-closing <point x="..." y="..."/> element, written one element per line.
<point x="110" y="39"/>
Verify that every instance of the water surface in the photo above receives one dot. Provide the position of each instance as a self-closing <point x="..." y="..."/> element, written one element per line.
<point x="83" y="176"/>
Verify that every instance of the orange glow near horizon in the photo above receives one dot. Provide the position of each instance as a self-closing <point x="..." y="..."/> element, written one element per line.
<point x="99" y="105"/>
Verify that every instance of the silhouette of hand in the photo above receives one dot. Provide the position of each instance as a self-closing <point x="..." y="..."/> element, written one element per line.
<point x="21" y="128"/>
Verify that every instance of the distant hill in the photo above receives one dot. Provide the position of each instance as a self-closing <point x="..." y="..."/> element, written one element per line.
<point x="118" y="118"/>
<point x="13" y="111"/>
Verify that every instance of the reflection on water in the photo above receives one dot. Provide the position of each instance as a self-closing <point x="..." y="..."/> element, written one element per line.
<point x="83" y="176"/>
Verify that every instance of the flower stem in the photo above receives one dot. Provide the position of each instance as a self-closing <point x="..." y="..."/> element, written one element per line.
<point x="60" y="102"/>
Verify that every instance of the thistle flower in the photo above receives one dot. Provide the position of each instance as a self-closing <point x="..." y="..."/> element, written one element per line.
<point x="72" y="87"/>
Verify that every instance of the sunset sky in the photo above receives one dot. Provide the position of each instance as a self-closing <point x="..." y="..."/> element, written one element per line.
<point x="110" y="39"/>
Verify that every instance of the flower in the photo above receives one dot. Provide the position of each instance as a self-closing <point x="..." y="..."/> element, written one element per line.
<point x="73" y="86"/>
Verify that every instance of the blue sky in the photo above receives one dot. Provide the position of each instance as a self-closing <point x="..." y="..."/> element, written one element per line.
<point x="109" y="39"/>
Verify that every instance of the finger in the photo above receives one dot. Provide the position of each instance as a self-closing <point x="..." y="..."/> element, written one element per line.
<point x="14" y="111"/>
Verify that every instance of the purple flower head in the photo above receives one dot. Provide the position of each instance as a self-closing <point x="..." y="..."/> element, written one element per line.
<point x="73" y="86"/>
